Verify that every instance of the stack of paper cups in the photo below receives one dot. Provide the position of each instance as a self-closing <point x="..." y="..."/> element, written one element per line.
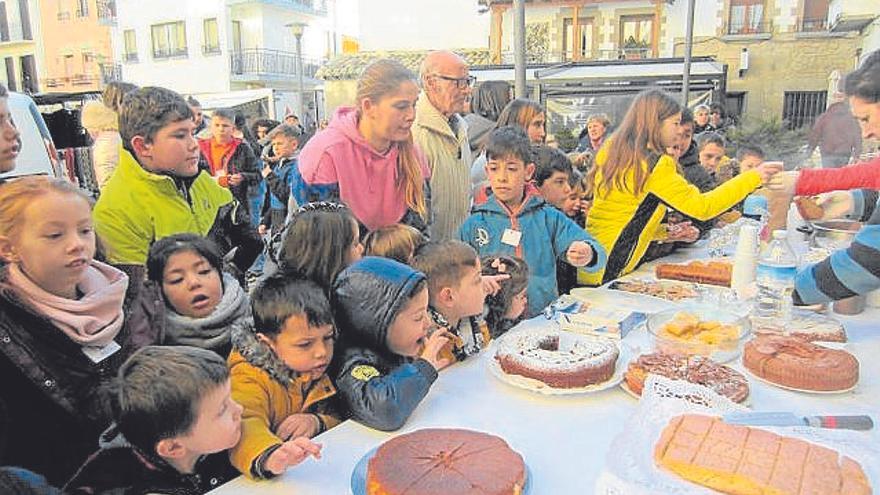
<point x="745" y="261"/>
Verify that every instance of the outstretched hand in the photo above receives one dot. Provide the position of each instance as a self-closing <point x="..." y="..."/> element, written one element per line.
<point x="291" y="453"/>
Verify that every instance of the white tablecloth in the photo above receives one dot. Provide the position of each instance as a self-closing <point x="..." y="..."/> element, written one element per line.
<point x="564" y="439"/>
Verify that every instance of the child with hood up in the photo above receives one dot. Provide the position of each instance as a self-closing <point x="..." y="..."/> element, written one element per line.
<point x="387" y="362"/>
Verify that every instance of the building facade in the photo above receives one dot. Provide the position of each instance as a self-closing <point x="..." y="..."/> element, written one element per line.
<point x="20" y="53"/>
<point x="779" y="54"/>
<point x="217" y="46"/>
<point x="77" y="46"/>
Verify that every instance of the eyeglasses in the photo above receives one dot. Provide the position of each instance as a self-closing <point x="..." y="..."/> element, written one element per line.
<point x="460" y="82"/>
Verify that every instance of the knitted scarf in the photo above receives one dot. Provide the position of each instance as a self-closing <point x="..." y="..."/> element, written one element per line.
<point x="93" y="320"/>
<point x="212" y="331"/>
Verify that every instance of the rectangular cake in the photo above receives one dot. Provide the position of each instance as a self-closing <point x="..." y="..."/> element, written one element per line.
<point x="741" y="460"/>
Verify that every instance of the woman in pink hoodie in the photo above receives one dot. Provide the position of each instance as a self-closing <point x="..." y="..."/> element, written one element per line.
<point x="366" y="157"/>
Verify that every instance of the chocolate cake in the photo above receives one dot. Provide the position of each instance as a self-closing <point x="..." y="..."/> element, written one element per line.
<point x="694" y="369"/>
<point x="538" y="356"/>
<point x="437" y="461"/>
<point x="795" y="363"/>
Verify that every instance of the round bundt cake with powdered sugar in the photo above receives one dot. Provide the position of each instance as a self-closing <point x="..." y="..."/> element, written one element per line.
<point x="539" y="356"/>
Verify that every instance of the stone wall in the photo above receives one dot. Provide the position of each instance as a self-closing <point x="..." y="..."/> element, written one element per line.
<point x="785" y="62"/>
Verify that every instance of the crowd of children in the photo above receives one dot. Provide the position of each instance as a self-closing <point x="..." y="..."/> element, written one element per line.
<point x="138" y="358"/>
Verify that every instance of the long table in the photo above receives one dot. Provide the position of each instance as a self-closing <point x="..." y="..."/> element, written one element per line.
<point x="564" y="439"/>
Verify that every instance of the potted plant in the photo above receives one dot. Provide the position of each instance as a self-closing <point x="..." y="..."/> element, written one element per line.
<point x="635" y="49"/>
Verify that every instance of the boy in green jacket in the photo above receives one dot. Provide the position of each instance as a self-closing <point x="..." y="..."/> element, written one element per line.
<point x="158" y="190"/>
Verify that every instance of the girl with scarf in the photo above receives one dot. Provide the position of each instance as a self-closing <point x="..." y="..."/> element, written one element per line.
<point x="66" y="324"/>
<point x="202" y="302"/>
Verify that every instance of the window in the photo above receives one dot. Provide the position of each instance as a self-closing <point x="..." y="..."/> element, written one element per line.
<point x="236" y="36"/>
<point x="212" y="41"/>
<point x="585" y="50"/>
<point x="801" y="108"/>
<point x="130" y="41"/>
<point x="4" y="23"/>
<point x="747" y="17"/>
<point x="169" y="39"/>
<point x="815" y="16"/>
<point x="82" y="8"/>
<point x="636" y="35"/>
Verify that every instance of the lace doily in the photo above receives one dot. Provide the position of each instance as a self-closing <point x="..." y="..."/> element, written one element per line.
<point x="630" y="469"/>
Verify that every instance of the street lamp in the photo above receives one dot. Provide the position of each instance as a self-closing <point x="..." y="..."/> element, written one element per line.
<point x="297" y="29"/>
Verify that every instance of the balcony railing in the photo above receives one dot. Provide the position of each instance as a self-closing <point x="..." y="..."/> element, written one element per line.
<point x="568" y="56"/>
<point x="110" y="73"/>
<point x="270" y="62"/>
<point x="64" y="16"/>
<point x="130" y="57"/>
<point x="313" y="6"/>
<point x="107" y="12"/>
<point x="210" y="49"/>
<point x="812" y="25"/>
<point x="170" y="53"/>
<point x="745" y="27"/>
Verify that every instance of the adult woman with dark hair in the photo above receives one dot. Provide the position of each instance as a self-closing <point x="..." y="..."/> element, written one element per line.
<point x="366" y="157"/>
<point x="850" y="271"/>
<point x="520" y="112"/>
<point x="634" y="181"/>
<point x="487" y="101"/>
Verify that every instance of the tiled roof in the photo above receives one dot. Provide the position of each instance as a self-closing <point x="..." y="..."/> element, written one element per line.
<point x="350" y="66"/>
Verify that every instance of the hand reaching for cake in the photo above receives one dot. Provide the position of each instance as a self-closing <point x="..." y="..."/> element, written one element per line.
<point x="579" y="253"/>
<point x="291" y="453"/>
<point x="299" y="425"/>
<point x="433" y="344"/>
<point x="767" y="170"/>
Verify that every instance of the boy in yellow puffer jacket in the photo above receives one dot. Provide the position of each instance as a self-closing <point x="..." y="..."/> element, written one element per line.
<point x="278" y="372"/>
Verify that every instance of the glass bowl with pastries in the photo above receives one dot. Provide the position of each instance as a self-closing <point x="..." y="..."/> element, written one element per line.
<point x="699" y="330"/>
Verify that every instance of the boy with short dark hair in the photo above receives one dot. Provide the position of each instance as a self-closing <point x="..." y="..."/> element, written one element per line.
<point x="229" y="159"/>
<point x="552" y="173"/>
<point x="284" y="180"/>
<point x="516" y="221"/>
<point x="174" y="420"/>
<point x="278" y="367"/>
<point x="455" y="295"/>
<point x="158" y="190"/>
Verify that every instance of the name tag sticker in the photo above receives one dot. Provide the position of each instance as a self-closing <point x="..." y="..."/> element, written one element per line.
<point x="511" y="237"/>
<point x="98" y="354"/>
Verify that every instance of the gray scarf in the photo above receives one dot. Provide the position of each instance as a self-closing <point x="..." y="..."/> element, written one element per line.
<point x="213" y="331"/>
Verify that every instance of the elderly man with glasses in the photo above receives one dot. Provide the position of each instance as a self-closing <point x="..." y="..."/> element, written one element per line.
<point x="441" y="133"/>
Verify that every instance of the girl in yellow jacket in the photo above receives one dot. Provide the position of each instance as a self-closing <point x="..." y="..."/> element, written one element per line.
<point x="278" y="371"/>
<point x="634" y="181"/>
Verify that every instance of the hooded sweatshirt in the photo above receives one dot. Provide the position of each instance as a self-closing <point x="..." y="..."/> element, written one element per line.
<point x="339" y="164"/>
<point x="380" y="388"/>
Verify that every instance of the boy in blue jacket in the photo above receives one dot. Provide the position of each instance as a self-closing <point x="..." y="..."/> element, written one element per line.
<point x="516" y="221"/>
<point x="386" y="362"/>
<point x="282" y="180"/>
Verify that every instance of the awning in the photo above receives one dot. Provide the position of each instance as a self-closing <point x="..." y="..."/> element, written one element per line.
<point x="231" y="99"/>
<point x="611" y="75"/>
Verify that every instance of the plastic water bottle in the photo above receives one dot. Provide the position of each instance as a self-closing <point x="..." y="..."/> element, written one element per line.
<point x="777" y="266"/>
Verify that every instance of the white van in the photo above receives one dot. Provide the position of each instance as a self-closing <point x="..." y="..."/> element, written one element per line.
<point x="37" y="155"/>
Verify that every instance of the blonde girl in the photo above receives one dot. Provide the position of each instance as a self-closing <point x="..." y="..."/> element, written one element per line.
<point x="634" y="181"/>
<point x="64" y="326"/>
<point x="366" y="158"/>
